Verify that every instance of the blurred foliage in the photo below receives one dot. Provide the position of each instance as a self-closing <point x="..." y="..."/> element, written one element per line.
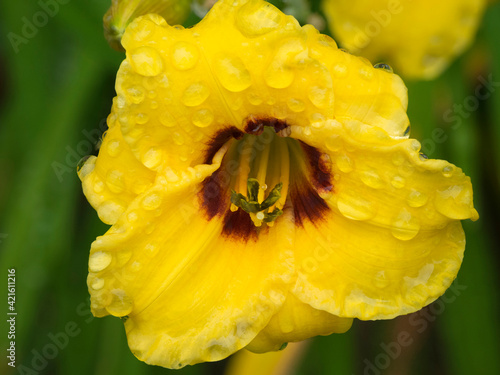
<point x="56" y="89"/>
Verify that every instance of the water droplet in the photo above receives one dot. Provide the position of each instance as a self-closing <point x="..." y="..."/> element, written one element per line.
<point x="380" y="280"/>
<point x="344" y="163"/>
<point x="455" y="202"/>
<point x="372" y="179"/>
<point x="423" y="156"/>
<point x="398" y="182"/>
<point x="141" y="118"/>
<point x="355" y="207"/>
<point x="339" y="70"/>
<point x="256" y="18"/>
<point x="97" y="283"/>
<point x="146" y="61"/>
<point x="184" y="56"/>
<point x="132" y="217"/>
<point x="195" y="94"/>
<point x="334" y="143"/>
<point x="98" y="186"/>
<point x="203" y="118"/>
<point x="121" y="304"/>
<point x="135" y="94"/>
<point x="296" y="105"/>
<point x="407" y="131"/>
<point x="416" y="198"/>
<point x="255" y="99"/>
<point x="232" y="73"/>
<point x="166" y="119"/>
<point x="383" y="66"/>
<point x="320" y="96"/>
<point x="448" y="171"/>
<point x="99" y="261"/>
<point x="81" y="162"/>
<point x="110" y="211"/>
<point x="114" y="181"/>
<point x="113" y="148"/>
<point x="278" y="76"/>
<point x="151" y="201"/>
<point x="405" y="226"/>
<point x="415" y="145"/>
<point x="152" y="158"/>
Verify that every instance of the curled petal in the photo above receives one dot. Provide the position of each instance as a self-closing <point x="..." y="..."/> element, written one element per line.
<point x="420" y="38"/>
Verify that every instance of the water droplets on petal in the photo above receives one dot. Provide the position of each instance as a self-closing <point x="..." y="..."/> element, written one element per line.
<point x="146" y="61"/>
<point x="254" y="19"/>
<point x="353" y="206"/>
<point x="184" y="56"/>
<point x="232" y="73"/>
<point x="195" y="94"/>
<point x="405" y="226"/>
<point x="99" y="261"/>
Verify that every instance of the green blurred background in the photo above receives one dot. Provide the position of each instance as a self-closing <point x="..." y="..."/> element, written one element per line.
<point x="55" y="94"/>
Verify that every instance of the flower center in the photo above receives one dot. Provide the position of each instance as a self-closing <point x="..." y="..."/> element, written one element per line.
<point x="263" y="173"/>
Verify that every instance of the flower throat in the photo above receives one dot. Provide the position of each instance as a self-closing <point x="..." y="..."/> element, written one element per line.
<point x="263" y="174"/>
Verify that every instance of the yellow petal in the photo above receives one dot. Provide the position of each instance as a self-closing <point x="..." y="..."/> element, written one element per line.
<point x="178" y="87"/>
<point x="391" y="242"/>
<point x="420" y="38"/>
<point x="297" y="321"/>
<point x="111" y="181"/>
<point x="190" y="294"/>
<point x="122" y="12"/>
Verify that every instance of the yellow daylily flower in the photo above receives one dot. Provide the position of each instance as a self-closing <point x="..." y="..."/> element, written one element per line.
<point x="419" y="38"/>
<point x="122" y="12"/>
<point x="261" y="189"/>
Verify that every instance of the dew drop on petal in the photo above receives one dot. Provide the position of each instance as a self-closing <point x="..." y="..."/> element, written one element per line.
<point x="232" y="73"/>
<point x="339" y="70"/>
<point x="334" y="143"/>
<point x="255" y="18"/>
<point x="184" y="56"/>
<point x="296" y="105"/>
<point x="121" y="304"/>
<point x="151" y="201"/>
<point x="344" y="163"/>
<point x="141" y="118"/>
<point x="398" y="182"/>
<point x="383" y="66"/>
<point x="405" y="226"/>
<point x="319" y="96"/>
<point x="97" y="283"/>
<point x="152" y="158"/>
<point x="372" y="179"/>
<point x="146" y="61"/>
<point x="416" y="198"/>
<point x="355" y="207"/>
<point x="278" y="77"/>
<point x="203" y="118"/>
<point x="113" y="148"/>
<point x="448" y="171"/>
<point x="99" y="261"/>
<point x="454" y="202"/>
<point x="195" y="94"/>
<point x="166" y="119"/>
<point x="114" y="181"/>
